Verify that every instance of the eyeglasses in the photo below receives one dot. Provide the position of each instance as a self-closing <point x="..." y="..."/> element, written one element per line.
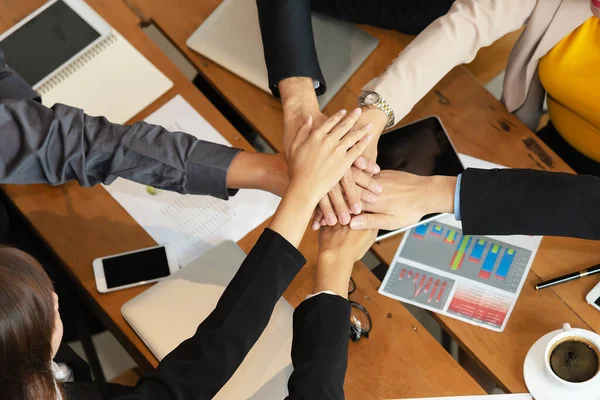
<point x="360" y="320"/>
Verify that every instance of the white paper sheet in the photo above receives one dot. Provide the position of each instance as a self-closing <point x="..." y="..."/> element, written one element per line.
<point x="489" y="397"/>
<point x="193" y="224"/>
<point x="476" y="279"/>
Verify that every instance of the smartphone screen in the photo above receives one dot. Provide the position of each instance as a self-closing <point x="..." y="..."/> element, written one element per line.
<point x="597" y="302"/>
<point x="136" y="267"/>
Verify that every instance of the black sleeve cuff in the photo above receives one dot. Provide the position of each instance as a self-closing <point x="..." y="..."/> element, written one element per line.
<point x="288" y="41"/>
<point x="289" y="249"/>
<point x="207" y="169"/>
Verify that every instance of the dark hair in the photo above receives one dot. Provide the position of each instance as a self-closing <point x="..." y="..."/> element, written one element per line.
<point x="26" y="325"/>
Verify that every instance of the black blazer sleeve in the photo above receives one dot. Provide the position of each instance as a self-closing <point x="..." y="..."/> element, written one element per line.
<point x="320" y="348"/>
<point x="200" y="366"/>
<point x="288" y="42"/>
<point x="528" y="202"/>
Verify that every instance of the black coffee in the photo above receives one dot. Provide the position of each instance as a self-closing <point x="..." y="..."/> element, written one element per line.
<point x="574" y="361"/>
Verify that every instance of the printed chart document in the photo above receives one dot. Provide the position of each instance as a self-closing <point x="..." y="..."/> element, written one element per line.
<point x="489" y="397"/>
<point x="193" y="224"/>
<point x="476" y="279"/>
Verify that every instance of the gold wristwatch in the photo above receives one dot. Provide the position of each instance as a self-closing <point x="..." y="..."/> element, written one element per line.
<point x="372" y="99"/>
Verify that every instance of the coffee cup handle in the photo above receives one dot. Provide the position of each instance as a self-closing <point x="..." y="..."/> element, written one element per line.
<point x="566" y="326"/>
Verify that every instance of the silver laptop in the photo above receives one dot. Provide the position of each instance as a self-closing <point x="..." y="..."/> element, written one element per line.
<point x="231" y="37"/>
<point x="169" y="313"/>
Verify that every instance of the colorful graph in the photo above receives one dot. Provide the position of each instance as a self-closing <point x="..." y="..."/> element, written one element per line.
<point x="480" y="305"/>
<point x="419" y="286"/>
<point x="475" y="257"/>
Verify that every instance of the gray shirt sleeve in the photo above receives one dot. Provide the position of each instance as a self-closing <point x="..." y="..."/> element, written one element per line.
<point x="42" y="145"/>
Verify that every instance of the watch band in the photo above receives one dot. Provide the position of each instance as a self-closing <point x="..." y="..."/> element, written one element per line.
<point x="382" y="105"/>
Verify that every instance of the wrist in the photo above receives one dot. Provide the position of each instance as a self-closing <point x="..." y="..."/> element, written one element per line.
<point x="440" y="198"/>
<point x="375" y="116"/>
<point x="301" y="193"/>
<point x="333" y="274"/>
<point x="298" y="93"/>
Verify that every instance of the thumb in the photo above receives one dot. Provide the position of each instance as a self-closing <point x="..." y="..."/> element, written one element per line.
<point x="371" y="221"/>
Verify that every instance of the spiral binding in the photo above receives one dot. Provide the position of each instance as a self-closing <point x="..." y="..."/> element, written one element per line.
<point x="77" y="64"/>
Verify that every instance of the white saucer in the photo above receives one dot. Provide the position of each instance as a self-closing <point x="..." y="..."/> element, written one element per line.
<point x="540" y="385"/>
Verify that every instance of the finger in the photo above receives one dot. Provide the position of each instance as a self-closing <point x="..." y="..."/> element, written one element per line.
<point x="317" y="219"/>
<point x="328" y="213"/>
<point x="341" y="129"/>
<point x="355" y="136"/>
<point x="331" y="122"/>
<point x="339" y="205"/>
<point x="366" y="182"/>
<point x="302" y="133"/>
<point x="368" y="199"/>
<point x="351" y="192"/>
<point x="371" y="221"/>
<point x="367" y="165"/>
<point x="356" y="150"/>
<point x="323" y="222"/>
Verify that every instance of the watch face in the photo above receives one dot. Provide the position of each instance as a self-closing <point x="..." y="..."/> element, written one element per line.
<point x="371" y="99"/>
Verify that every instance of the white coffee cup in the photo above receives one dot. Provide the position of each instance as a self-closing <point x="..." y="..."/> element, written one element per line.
<point x="566" y="334"/>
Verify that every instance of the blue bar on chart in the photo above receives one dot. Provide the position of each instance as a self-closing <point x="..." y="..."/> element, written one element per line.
<point x="437" y="230"/>
<point x="421" y="230"/>
<point x="490" y="261"/>
<point x="477" y="251"/>
<point x="505" y="264"/>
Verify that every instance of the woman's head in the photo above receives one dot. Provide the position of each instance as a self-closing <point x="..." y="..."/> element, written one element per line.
<point x="30" y="328"/>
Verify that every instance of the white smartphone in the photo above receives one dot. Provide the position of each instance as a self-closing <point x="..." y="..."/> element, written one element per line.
<point x="50" y="38"/>
<point x="135" y="268"/>
<point x="593" y="297"/>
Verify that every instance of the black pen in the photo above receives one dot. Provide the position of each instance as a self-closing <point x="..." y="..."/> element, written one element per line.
<point x="569" y="277"/>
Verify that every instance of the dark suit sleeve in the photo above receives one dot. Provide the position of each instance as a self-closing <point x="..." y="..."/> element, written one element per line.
<point x="528" y="202"/>
<point x="320" y="348"/>
<point x="288" y="42"/>
<point x="200" y="366"/>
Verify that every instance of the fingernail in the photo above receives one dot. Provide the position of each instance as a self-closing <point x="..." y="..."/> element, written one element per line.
<point x="368" y="126"/>
<point x="377" y="169"/>
<point x="372" y="198"/>
<point x="378" y="188"/>
<point x="345" y="218"/>
<point x="343" y="112"/>
<point x="357" y="111"/>
<point x="316" y="226"/>
<point x="308" y="118"/>
<point x="356" y="209"/>
<point x="330" y="219"/>
<point x="369" y="137"/>
<point x="355" y="224"/>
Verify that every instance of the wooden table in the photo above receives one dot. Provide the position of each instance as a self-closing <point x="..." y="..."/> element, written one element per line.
<point x="400" y="359"/>
<point x="479" y="126"/>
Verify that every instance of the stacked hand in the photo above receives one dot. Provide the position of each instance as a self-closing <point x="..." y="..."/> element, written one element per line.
<point x="406" y="198"/>
<point x="356" y="186"/>
<point x="317" y="160"/>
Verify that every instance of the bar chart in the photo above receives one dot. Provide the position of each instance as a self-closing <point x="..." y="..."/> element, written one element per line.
<point x="478" y="258"/>
<point x="419" y="286"/>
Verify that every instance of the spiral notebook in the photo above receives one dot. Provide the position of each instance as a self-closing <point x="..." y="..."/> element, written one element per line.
<point x="69" y="54"/>
<point x="112" y="79"/>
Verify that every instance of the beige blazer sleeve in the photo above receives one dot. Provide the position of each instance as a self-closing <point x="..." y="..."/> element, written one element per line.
<point x="451" y="40"/>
